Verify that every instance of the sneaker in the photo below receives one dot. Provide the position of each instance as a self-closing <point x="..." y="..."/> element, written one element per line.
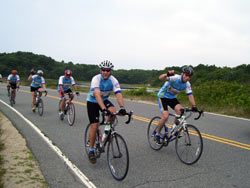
<point x="158" y="139"/>
<point x="33" y="108"/>
<point x="92" y="157"/>
<point x="61" y="115"/>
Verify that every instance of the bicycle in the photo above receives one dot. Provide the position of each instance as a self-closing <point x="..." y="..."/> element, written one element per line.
<point x="39" y="102"/>
<point x="188" y="140"/>
<point x="68" y="109"/>
<point x="12" y="96"/>
<point x="117" y="151"/>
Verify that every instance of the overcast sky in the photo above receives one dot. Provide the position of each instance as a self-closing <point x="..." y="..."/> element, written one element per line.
<point x="133" y="34"/>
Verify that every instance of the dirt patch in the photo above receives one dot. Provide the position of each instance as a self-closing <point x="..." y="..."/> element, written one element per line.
<point x="22" y="170"/>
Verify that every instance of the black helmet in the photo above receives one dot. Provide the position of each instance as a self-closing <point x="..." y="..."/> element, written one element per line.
<point x="106" y="65"/>
<point x="188" y="70"/>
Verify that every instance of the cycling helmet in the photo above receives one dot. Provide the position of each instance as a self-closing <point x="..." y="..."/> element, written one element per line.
<point x="188" y="70"/>
<point x="40" y="72"/>
<point x="68" y="72"/>
<point x="14" y="72"/>
<point x="106" y="65"/>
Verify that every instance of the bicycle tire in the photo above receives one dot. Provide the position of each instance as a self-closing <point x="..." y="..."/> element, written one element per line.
<point x="152" y="127"/>
<point x="86" y="142"/>
<point x="189" y="144"/>
<point x="118" y="157"/>
<point x="71" y="115"/>
<point x="12" y="98"/>
<point x="40" y="107"/>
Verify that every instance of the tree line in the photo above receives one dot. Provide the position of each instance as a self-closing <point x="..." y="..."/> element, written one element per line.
<point x="23" y="62"/>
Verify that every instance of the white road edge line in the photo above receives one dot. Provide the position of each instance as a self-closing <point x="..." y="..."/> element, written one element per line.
<point x="73" y="167"/>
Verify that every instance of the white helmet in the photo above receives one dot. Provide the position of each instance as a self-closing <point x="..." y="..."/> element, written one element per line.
<point x="106" y="65"/>
<point x="40" y="72"/>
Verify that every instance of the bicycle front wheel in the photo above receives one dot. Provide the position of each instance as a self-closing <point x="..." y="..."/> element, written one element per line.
<point x="189" y="145"/>
<point x="71" y="114"/>
<point x="40" y="107"/>
<point x="12" y="98"/>
<point x="152" y="128"/>
<point x="118" y="157"/>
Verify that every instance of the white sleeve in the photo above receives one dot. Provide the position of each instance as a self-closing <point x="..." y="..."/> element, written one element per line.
<point x="116" y="85"/>
<point x="43" y="80"/>
<point x="60" y="82"/>
<point x="95" y="82"/>
<point x="73" y="81"/>
<point x="9" y="77"/>
<point x="189" y="89"/>
<point x="173" y="78"/>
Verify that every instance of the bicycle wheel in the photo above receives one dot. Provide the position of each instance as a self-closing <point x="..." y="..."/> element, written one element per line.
<point x="71" y="113"/>
<point x="118" y="157"/>
<point x="12" y="98"/>
<point x="86" y="142"/>
<point x="189" y="144"/>
<point x="152" y="127"/>
<point x="40" y="107"/>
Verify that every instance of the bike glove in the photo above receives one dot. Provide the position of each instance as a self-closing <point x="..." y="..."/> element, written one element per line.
<point x="170" y="73"/>
<point x="122" y="111"/>
<point x="77" y="93"/>
<point x="106" y="112"/>
<point x="194" y="108"/>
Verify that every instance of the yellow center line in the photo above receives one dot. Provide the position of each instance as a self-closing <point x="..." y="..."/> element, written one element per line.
<point x="204" y="135"/>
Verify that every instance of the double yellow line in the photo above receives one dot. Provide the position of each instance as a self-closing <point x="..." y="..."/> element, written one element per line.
<point x="204" y="135"/>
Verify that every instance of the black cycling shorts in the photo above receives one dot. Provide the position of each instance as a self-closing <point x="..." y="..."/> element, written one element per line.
<point x="94" y="108"/>
<point x="164" y="103"/>
<point x="33" y="89"/>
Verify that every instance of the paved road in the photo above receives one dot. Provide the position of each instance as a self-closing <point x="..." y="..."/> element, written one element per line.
<point x="225" y="161"/>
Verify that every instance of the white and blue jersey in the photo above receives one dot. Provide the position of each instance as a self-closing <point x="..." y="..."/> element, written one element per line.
<point x="37" y="82"/>
<point x="174" y="86"/>
<point x="106" y="87"/>
<point x="65" y="83"/>
<point x="13" y="79"/>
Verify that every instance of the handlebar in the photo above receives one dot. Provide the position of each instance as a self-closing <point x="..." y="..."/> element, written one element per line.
<point x="183" y="110"/>
<point x="115" y="114"/>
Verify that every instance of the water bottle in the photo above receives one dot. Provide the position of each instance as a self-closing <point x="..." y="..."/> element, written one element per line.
<point x="106" y="131"/>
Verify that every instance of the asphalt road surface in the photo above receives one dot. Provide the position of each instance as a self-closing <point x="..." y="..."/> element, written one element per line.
<point x="225" y="161"/>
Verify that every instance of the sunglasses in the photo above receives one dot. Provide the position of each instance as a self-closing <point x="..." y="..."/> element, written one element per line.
<point x="106" y="70"/>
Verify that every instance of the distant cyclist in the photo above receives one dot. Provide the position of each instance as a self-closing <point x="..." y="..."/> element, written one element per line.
<point x="1" y="78"/>
<point x="64" y="84"/>
<point x="102" y="85"/>
<point x="167" y="94"/>
<point x="37" y="84"/>
<point x="13" y="81"/>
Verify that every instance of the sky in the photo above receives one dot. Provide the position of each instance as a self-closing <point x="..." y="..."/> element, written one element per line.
<point x="132" y="34"/>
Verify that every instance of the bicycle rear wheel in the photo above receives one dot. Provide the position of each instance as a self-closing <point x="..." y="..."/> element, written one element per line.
<point x="71" y="113"/>
<point x="118" y="157"/>
<point x="189" y="145"/>
<point x="152" y="128"/>
<point x="86" y="142"/>
<point x="40" y="107"/>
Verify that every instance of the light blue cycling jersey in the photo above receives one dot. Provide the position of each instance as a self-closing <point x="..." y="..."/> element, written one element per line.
<point x="36" y="81"/>
<point x="13" y="79"/>
<point x="174" y="86"/>
<point x="65" y="83"/>
<point x="106" y="87"/>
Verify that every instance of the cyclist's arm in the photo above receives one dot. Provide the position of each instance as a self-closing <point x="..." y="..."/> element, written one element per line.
<point x="61" y="88"/>
<point x="30" y="77"/>
<point x="97" y="95"/>
<point x="44" y="87"/>
<point x="165" y="76"/>
<point x="191" y="100"/>
<point x="120" y="99"/>
<point x="75" y="88"/>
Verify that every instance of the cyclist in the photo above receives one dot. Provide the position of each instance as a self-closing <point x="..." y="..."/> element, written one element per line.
<point x="37" y="84"/>
<point x="1" y="78"/>
<point x="101" y="87"/>
<point x="167" y="95"/>
<point x="13" y="81"/>
<point x="64" y="84"/>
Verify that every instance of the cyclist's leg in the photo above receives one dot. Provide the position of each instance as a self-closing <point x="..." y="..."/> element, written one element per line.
<point x="32" y="89"/>
<point x="93" y="114"/>
<point x="177" y="109"/>
<point x="164" y="110"/>
<point x="63" y="100"/>
<point x="40" y="91"/>
<point x="8" y="89"/>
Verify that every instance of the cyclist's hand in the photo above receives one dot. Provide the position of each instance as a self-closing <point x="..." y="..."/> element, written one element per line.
<point x="194" y="109"/>
<point x="46" y="92"/>
<point x="106" y="112"/>
<point x="62" y="93"/>
<point x="17" y="87"/>
<point x="32" y="71"/>
<point x="77" y="93"/>
<point x="170" y="73"/>
<point x="122" y="111"/>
